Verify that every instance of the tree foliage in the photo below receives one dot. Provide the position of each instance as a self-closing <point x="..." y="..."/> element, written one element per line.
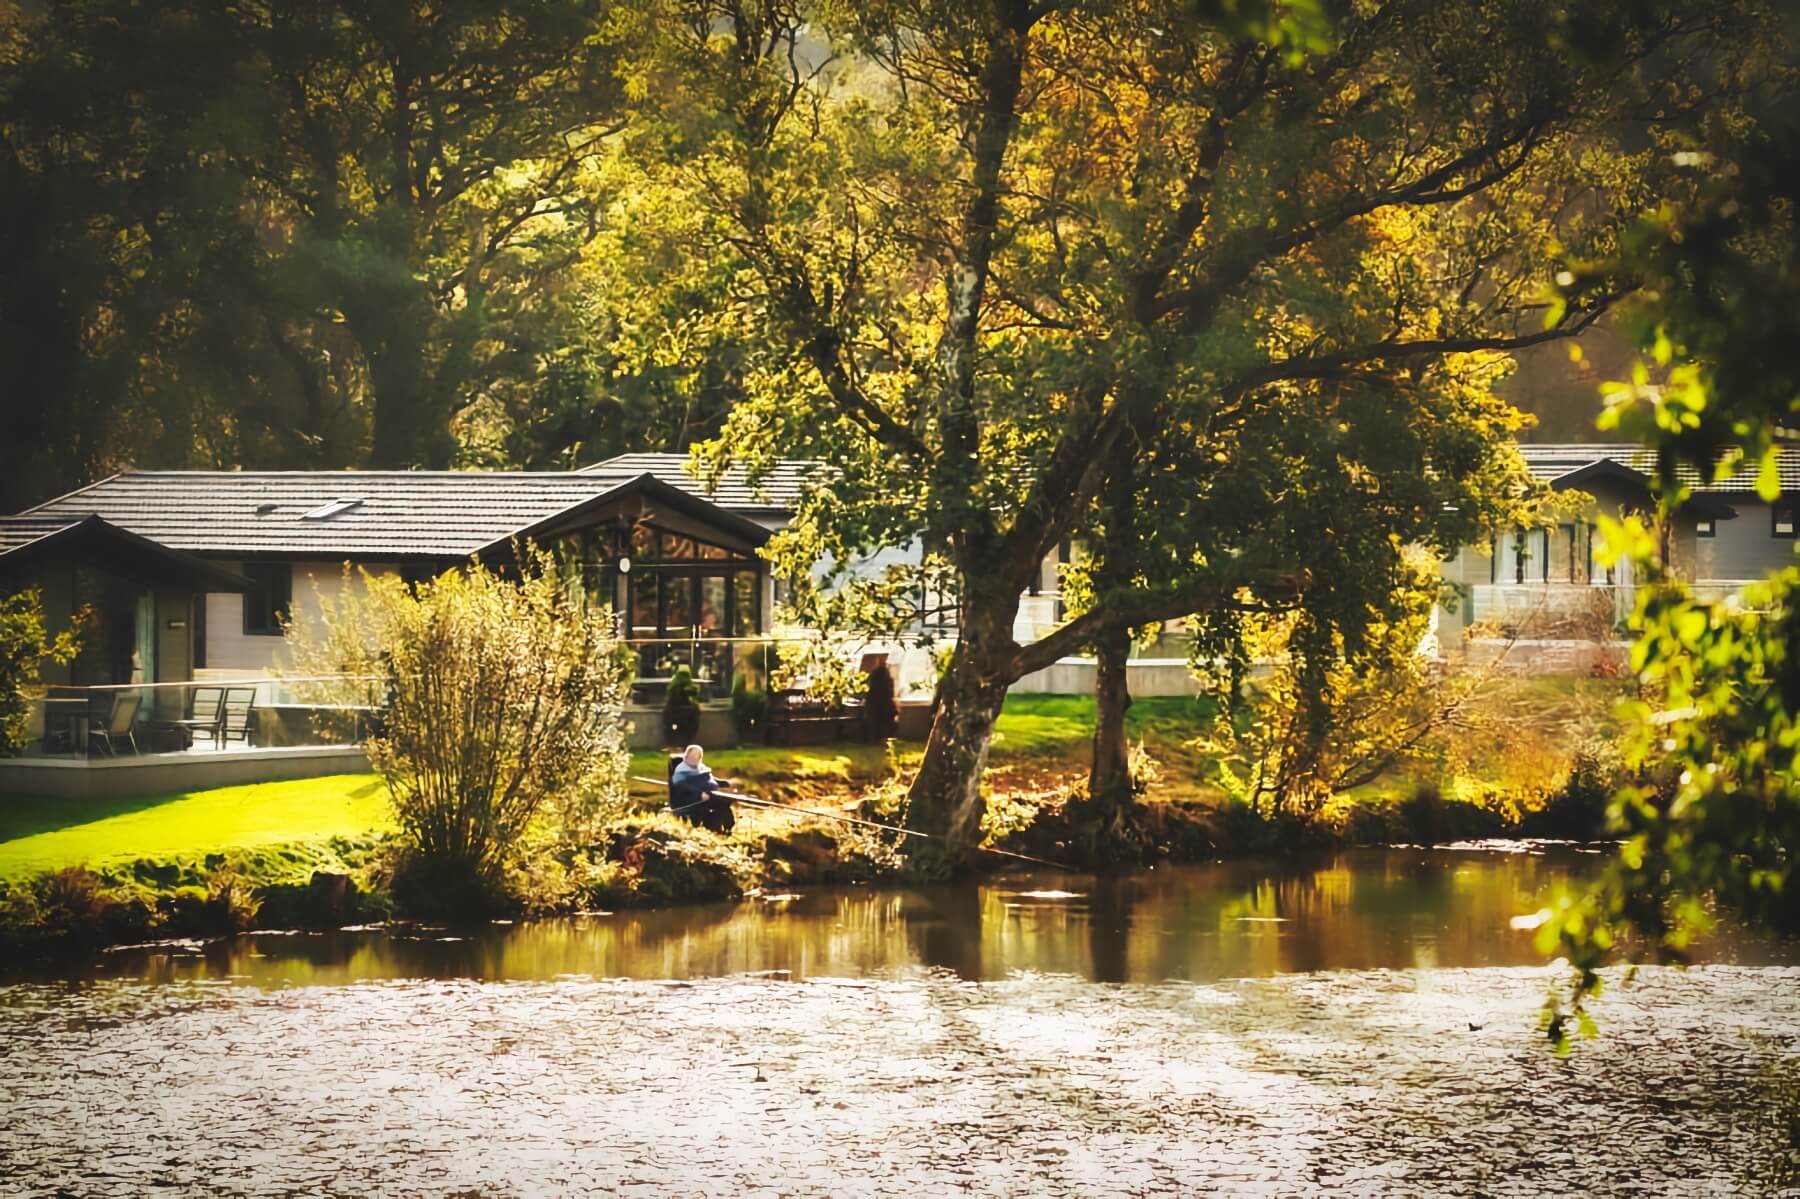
<point x="1716" y="822"/>
<point x="329" y="234"/>
<point x="26" y="643"/>
<point x="1008" y="254"/>
<point x="1312" y="726"/>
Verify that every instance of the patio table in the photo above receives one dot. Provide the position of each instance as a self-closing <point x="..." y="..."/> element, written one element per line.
<point x="182" y="730"/>
<point x="71" y="712"/>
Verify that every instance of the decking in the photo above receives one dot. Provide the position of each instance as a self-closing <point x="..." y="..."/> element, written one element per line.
<point x="169" y="773"/>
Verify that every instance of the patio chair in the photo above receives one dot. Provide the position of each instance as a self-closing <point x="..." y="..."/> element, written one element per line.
<point x="120" y="722"/>
<point x="206" y="715"/>
<point x="235" y="723"/>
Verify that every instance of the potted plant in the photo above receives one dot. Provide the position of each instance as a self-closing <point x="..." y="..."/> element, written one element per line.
<point x="749" y="707"/>
<point x="681" y="708"/>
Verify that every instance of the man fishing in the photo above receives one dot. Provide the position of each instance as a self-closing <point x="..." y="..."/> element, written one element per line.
<point x="693" y="793"/>
<point x="696" y="796"/>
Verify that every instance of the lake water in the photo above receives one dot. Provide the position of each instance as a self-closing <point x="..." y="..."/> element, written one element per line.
<point x="1364" y="1023"/>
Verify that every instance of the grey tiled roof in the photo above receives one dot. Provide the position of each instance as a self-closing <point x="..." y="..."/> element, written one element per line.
<point x="778" y="491"/>
<point x="433" y="514"/>
<point x="16" y="532"/>
<point x="1550" y="462"/>
<point x="25" y="540"/>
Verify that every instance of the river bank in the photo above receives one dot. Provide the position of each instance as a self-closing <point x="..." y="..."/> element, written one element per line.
<point x="652" y="859"/>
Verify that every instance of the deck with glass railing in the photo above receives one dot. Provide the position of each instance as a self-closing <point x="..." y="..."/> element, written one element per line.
<point x="149" y="738"/>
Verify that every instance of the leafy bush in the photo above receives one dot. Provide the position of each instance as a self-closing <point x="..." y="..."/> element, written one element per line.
<point x="1577" y="810"/>
<point x="232" y="898"/>
<point x="749" y="707"/>
<point x="502" y="695"/>
<point x="70" y="901"/>
<point x="25" y="642"/>
<point x="1332" y="714"/>
<point x="681" y="708"/>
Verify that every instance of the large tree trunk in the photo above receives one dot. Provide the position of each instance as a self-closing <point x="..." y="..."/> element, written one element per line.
<point x="1101" y="825"/>
<point x="945" y="798"/>
<point x="1109" y="778"/>
<point x="1104" y="825"/>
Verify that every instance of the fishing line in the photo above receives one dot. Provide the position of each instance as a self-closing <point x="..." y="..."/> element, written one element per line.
<point x="874" y="824"/>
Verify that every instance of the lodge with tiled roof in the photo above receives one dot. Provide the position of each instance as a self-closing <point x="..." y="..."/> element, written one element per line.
<point x="188" y="574"/>
<point x="1553" y="583"/>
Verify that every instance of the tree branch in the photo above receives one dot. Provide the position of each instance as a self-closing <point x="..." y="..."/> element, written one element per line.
<point x="1246" y="249"/>
<point x="1138" y="608"/>
<point x="1324" y="366"/>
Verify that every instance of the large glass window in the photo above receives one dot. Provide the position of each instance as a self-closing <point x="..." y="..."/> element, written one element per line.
<point x="683" y="597"/>
<point x="746" y="604"/>
<point x="711" y="617"/>
<point x="678" y="604"/>
<point x="646" y="620"/>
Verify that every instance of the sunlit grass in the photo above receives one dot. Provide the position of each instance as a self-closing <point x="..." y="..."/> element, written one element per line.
<point x="47" y="834"/>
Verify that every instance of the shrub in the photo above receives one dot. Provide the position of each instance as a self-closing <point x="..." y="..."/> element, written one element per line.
<point x="25" y="642"/>
<point x="1577" y="809"/>
<point x="749" y="707"/>
<point x="1333" y="712"/>
<point x="681" y="708"/>
<point x="231" y="899"/>
<point x="71" y="902"/>
<point x="661" y="859"/>
<point x="1422" y="814"/>
<point x="502" y="693"/>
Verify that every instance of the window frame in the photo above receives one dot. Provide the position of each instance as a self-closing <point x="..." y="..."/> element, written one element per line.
<point x="272" y="581"/>
<point x="1776" y="512"/>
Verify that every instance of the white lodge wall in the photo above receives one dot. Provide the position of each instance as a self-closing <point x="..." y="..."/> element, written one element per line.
<point x="231" y="650"/>
<point x="1743" y="549"/>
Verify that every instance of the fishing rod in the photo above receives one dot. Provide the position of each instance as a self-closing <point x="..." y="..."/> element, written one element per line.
<point x="753" y="801"/>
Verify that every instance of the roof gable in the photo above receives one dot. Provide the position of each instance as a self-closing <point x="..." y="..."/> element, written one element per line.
<point x="1549" y="463"/>
<point x="28" y="539"/>
<point x="778" y="492"/>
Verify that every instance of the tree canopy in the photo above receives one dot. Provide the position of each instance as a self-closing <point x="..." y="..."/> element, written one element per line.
<point x="326" y="234"/>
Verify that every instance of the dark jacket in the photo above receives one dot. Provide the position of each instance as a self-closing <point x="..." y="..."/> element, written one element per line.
<point x="689" y="785"/>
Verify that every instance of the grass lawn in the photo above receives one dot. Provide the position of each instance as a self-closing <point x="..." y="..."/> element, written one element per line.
<point x="38" y="834"/>
<point x="1036" y="736"/>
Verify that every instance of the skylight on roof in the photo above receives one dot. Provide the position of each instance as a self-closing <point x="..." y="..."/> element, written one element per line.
<point x="327" y="511"/>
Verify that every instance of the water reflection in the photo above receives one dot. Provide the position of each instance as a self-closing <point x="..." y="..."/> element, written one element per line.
<point x="1366" y="909"/>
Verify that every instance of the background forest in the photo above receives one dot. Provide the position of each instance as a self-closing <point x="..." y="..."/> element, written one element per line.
<point x="329" y="235"/>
